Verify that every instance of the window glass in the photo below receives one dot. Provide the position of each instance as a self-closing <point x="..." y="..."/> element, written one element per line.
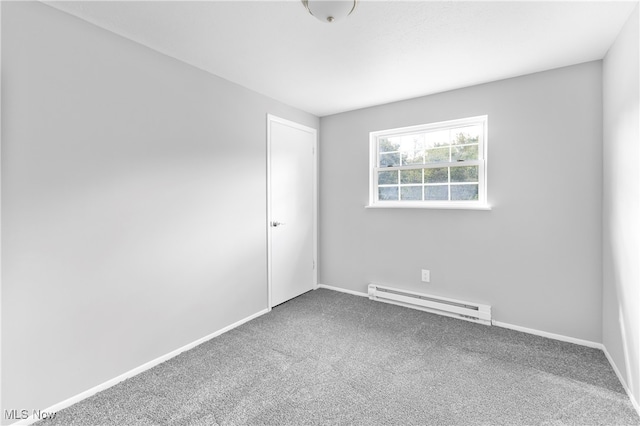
<point x="430" y="164"/>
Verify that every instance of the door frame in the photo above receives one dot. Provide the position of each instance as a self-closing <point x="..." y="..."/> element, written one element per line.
<point x="274" y="119"/>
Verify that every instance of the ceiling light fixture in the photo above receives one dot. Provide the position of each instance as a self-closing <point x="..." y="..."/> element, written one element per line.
<point x="330" y="10"/>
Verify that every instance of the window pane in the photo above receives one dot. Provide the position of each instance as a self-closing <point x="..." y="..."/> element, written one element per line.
<point x="436" y="139"/>
<point x="390" y="177"/>
<point x="388" y="144"/>
<point x="411" y="176"/>
<point x="437" y="155"/>
<point x="411" y="192"/>
<point x="464" y="192"/>
<point x="412" y="157"/>
<point x="467" y="134"/>
<point x="464" y="174"/>
<point x="436" y="175"/>
<point x="430" y="165"/>
<point x="438" y="192"/>
<point x="388" y="193"/>
<point x="412" y="149"/>
<point x="389" y="160"/>
<point x="461" y="153"/>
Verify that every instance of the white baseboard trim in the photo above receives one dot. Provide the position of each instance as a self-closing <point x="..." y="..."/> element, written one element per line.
<point x="548" y="335"/>
<point x="343" y="290"/>
<point x="622" y="380"/>
<point x="146" y="366"/>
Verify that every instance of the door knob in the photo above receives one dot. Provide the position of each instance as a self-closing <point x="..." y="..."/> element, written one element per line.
<point x="276" y="224"/>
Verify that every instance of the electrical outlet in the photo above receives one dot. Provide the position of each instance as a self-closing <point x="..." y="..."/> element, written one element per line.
<point x="426" y="276"/>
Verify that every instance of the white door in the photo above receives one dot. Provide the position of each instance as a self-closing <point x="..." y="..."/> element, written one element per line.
<point x="291" y="214"/>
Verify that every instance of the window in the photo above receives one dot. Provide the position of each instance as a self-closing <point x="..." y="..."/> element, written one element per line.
<point x="432" y="165"/>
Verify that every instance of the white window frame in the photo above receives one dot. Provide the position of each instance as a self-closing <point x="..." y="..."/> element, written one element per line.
<point x="481" y="162"/>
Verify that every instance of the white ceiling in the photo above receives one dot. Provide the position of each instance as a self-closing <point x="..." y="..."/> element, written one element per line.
<point x="386" y="51"/>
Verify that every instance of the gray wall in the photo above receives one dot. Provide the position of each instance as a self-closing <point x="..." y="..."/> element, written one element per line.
<point x="621" y="206"/>
<point x="535" y="257"/>
<point x="133" y="204"/>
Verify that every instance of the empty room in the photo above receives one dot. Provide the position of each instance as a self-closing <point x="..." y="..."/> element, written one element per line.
<point x="320" y="212"/>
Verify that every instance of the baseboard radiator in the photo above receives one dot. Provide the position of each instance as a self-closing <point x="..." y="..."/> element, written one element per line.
<point x="467" y="311"/>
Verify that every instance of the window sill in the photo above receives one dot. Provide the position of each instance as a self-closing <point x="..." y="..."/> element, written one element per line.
<point x="430" y="206"/>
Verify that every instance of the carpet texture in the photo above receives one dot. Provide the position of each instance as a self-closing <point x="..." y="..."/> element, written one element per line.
<point x="332" y="358"/>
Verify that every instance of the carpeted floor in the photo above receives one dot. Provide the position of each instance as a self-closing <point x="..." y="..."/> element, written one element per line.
<point x="332" y="358"/>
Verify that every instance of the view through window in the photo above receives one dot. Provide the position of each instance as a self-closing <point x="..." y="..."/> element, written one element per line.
<point x="437" y="164"/>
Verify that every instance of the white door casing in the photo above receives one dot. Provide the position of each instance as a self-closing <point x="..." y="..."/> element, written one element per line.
<point x="291" y="209"/>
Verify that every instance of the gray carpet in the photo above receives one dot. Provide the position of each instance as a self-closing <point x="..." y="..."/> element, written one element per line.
<point x="332" y="358"/>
